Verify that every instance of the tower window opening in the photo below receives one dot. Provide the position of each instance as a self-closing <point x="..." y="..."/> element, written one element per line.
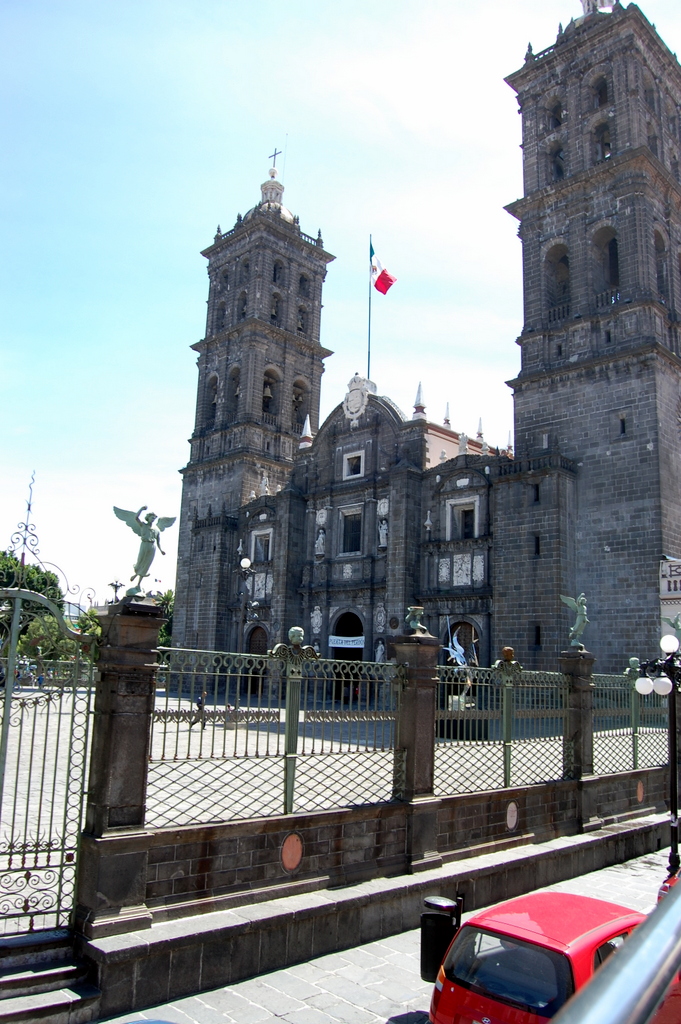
<point x="613" y="263"/>
<point x="608" y="337"/>
<point x="556" y="116"/>
<point x="649" y="96"/>
<point x="245" y="271"/>
<point x="304" y="286"/>
<point x="536" y="494"/>
<point x="623" y="425"/>
<point x="675" y="168"/>
<point x="537" y="634"/>
<point x="603" y="143"/>
<point x="302" y="320"/>
<point x="299" y="404"/>
<point x="241" y="307"/>
<point x="558" y="165"/>
<point x="269" y="390"/>
<point x="559" y="350"/>
<point x="278" y="272"/>
<point x="211" y="401"/>
<point x="537" y="545"/>
<point x="220" y="316"/>
<point x="606" y="269"/>
<point x="600" y="94"/>
<point x="225" y="280"/>
<point x="557" y="268"/>
<point x="661" y="267"/>
<point x="467" y="523"/>
<point x="275" y="309"/>
<point x="653" y="146"/>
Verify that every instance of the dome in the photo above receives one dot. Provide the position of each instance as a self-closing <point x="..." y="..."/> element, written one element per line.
<point x="272" y="192"/>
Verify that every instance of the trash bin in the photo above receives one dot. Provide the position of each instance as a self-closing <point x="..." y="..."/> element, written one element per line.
<point x="439" y="924"/>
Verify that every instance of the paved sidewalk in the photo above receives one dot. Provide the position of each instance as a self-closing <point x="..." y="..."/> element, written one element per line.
<point x="377" y="983"/>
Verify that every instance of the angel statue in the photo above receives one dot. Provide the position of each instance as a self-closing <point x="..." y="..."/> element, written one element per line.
<point x="675" y="623"/>
<point x="579" y="607"/>
<point x="151" y="539"/>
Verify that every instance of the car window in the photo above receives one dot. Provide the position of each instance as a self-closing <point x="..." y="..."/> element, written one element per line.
<point x="519" y="973"/>
<point x="604" y="951"/>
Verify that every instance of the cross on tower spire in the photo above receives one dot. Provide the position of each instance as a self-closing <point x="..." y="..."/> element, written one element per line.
<point x="273" y="157"/>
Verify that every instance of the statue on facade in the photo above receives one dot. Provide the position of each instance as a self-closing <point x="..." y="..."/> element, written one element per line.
<point x="675" y="623"/>
<point x="150" y="540"/>
<point x="320" y="543"/>
<point x="578" y="605"/>
<point x="379" y="656"/>
<point x="383" y="533"/>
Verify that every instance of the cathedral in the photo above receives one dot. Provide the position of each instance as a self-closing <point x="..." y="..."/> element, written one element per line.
<point x="340" y="526"/>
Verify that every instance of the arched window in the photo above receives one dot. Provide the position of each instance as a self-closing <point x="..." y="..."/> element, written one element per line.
<point x="302" y="320"/>
<point x="649" y="94"/>
<point x="211" y="401"/>
<point x="603" y="145"/>
<point x="245" y="271"/>
<point x="557" y="165"/>
<point x="270" y="393"/>
<point x="275" y="309"/>
<point x="233" y="393"/>
<point x="675" y="168"/>
<point x="606" y="267"/>
<point x="300" y="405"/>
<point x="220" y="317"/>
<point x="662" y="268"/>
<point x="241" y="307"/>
<point x="304" y="286"/>
<point x="225" y="280"/>
<point x="600" y="94"/>
<point x="555" y="116"/>
<point x="278" y="272"/>
<point x="557" y="267"/>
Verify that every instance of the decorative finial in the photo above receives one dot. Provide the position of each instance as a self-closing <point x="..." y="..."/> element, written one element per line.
<point x="479" y="433"/>
<point x="306" y="436"/>
<point x="529" y="54"/>
<point x="447" y="421"/>
<point x="320" y="240"/>
<point x="429" y="522"/>
<point x="509" y="446"/>
<point x="419" y="406"/>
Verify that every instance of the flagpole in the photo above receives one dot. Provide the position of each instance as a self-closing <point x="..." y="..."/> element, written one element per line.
<point x="369" y="334"/>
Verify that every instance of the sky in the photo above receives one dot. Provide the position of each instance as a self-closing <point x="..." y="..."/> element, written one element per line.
<point x="131" y="128"/>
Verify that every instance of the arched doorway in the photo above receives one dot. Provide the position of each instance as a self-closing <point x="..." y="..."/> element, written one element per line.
<point x="257" y="641"/>
<point x="348" y="626"/>
<point x="461" y="636"/>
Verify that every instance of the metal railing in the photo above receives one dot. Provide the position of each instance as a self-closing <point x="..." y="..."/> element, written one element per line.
<point x="628" y="988"/>
<point x="493" y="732"/>
<point x="224" y="725"/>
<point x="630" y="729"/>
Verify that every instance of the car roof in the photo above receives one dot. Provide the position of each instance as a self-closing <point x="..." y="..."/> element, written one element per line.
<point x="556" y="919"/>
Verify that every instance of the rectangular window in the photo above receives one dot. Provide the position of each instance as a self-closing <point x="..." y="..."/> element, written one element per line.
<point x="623" y="425"/>
<point x="537" y="545"/>
<point x="352" y="532"/>
<point x="537" y="635"/>
<point x="536" y="494"/>
<point x="467" y="523"/>
<point x="353" y="465"/>
<point x="261" y="546"/>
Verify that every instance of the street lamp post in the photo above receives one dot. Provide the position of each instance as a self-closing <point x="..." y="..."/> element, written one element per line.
<point x="248" y="608"/>
<point x="663" y="675"/>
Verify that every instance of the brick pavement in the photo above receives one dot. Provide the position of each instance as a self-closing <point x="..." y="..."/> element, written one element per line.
<point x="377" y="983"/>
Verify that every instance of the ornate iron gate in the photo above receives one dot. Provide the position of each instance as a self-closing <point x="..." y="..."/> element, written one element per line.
<point x="46" y="708"/>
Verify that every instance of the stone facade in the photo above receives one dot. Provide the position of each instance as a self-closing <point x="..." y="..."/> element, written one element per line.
<point x="381" y="511"/>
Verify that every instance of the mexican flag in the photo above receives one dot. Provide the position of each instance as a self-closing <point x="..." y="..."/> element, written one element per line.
<point x="380" y="278"/>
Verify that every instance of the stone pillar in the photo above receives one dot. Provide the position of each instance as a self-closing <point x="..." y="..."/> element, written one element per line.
<point x="416" y="736"/>
<point x="111" y="887"/>
<point x="578" y="756"/>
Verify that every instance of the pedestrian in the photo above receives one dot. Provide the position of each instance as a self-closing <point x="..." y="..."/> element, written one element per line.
<point x="200" y="713"/>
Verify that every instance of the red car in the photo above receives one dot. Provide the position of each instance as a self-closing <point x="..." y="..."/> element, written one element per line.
<point x="520" y="961"/>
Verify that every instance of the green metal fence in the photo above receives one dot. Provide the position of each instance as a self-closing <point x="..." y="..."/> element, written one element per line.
<point x="630" y="729"/>
<point x="236" y="736"/>
<point x="493" y="731"/>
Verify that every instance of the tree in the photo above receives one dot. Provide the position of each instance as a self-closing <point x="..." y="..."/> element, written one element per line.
<point x="167" y="603"/>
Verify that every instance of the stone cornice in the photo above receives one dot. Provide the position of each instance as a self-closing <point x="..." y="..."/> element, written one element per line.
<point x="637" y="354"/>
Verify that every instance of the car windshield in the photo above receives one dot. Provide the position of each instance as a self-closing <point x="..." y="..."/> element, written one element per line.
<point x="511" y="971"/>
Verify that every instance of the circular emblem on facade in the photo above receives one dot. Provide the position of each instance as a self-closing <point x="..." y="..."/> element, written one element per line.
<point x="383" y="506"/>
<point x="512" y="815"/>
<point x="291" y="852"/>
<point x="394" y="622"/>
<point x="355" y="402"/>
<point x="640" y="792"/>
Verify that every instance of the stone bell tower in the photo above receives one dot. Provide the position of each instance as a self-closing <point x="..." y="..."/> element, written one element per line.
<point x="260" y="366"/>
<point x="600" y="383"/>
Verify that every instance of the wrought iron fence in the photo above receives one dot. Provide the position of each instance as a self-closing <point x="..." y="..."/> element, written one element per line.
<point x="494" y="731"/>
<point x="41" y="806"/>
<point x="219" y="744"/>
<point x="630" y="729"/>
